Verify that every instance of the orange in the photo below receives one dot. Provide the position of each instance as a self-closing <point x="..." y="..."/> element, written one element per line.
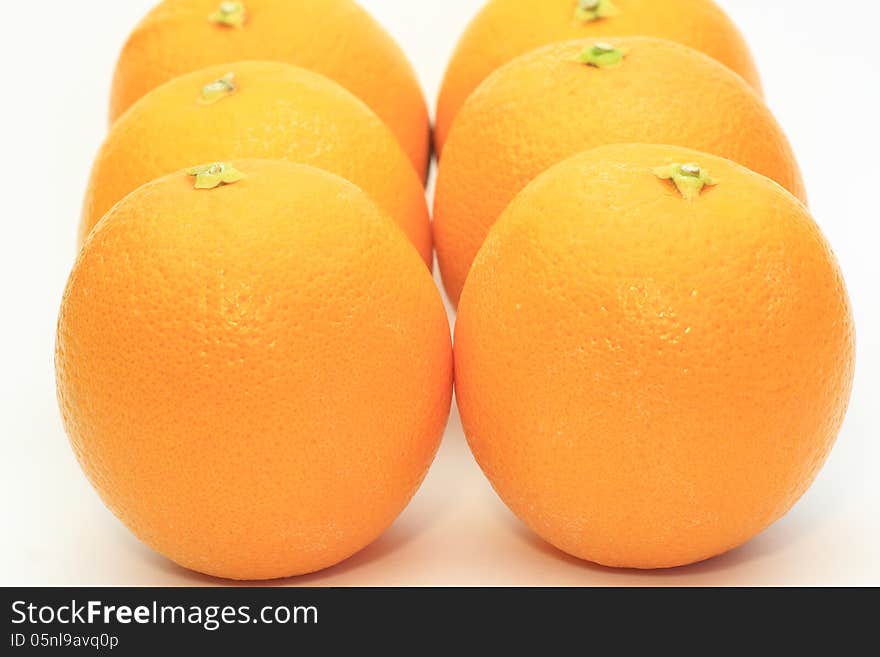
<point x="254" y="377"/>
<point x="550" y="104"/>
<point x="334" y="37"/>
<point x="505" y="29"/>
<point x="649" y="381"/>
<point x="262" y="110"/>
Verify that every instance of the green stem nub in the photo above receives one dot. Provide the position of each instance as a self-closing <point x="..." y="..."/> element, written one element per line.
<point x="229" y="14"/>
<point x="218" y="89"/>
<point x="690" y="179"/>
<point x="602" y="55"/>
<point x="588" y="11"/>
<point x="209" y="176"/>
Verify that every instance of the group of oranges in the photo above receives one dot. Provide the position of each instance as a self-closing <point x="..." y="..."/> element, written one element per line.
<point x="653" y="344"/>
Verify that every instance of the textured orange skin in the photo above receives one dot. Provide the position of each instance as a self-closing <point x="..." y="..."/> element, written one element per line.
<point x="647" y="381"/>
<point x="505" y="29"/>
<point x="255" y="378"/>
<point x="544" y="107"/>
<point x="276" y="112"/>
<point x="334" y="37"/>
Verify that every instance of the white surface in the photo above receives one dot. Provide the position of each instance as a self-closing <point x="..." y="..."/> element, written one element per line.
<point x="822" y="78"/>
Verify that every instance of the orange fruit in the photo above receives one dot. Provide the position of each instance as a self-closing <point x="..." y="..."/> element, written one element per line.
<point x="254" y="377"/>
<point x="647" y="380"/>
<point x="257" y="110"/>
<point x="505" y="29"/>
<point x="551" y="104"/>
<point x="334" y="37"/>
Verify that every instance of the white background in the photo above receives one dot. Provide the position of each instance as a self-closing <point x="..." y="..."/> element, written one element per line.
<point x="820" y="67"/>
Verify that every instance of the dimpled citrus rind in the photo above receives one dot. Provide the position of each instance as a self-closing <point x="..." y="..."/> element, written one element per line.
<point x="254" y="377"/>
<point x="649" y="381"/>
